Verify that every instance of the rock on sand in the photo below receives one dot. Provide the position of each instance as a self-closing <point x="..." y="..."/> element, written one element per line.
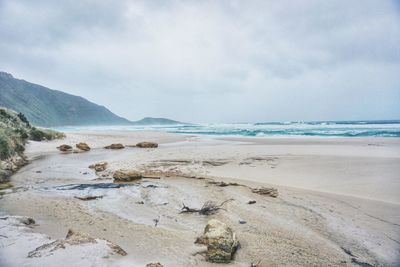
<point x="126" y="176"/>
<point x="221" y="242"/>
<point x="83" y="146"/>
<point x="147" y="145"/>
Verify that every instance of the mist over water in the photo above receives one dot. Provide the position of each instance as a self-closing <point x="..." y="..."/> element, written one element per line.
<point x="322" y="128"/>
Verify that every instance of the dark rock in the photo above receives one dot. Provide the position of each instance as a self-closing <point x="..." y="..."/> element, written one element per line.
<point x="64" y="148"/>
<point x="83" y="146"/>
<point x="147" y="145"/>
<point x="114" y="146"/>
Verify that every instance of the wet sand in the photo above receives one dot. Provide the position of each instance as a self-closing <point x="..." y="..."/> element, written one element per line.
<point x="337" y="206"/>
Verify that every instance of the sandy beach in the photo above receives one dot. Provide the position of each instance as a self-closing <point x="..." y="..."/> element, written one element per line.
<point x="338" y="202"/>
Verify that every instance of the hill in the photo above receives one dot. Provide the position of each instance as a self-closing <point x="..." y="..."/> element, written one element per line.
<point x="156" y="121"/>
<point x="46" y="107"/>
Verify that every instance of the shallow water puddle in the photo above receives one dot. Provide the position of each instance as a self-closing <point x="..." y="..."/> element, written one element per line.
<point x="92" y="186"/>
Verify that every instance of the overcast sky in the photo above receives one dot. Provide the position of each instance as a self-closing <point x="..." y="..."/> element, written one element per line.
<point x="212" y="61"/>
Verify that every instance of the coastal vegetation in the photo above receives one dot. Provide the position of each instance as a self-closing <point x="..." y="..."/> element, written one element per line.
<point x="15" y="131"/>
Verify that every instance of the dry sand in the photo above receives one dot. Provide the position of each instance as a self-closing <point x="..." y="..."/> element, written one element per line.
<point x="338" y="202"/>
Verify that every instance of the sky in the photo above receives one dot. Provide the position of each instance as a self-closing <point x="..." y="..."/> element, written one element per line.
<point x="212" y="61"/>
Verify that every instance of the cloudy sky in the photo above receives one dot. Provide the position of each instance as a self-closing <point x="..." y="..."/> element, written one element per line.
<point x="212" y="61"/>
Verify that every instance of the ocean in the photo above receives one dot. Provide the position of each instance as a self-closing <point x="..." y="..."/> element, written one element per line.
<point x="319" y="128"/>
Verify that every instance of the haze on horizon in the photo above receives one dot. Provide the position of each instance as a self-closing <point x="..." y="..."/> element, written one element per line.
<point x="212" y="61"/>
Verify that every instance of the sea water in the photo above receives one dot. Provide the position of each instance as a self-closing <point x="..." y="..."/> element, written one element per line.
<point x="319" y="128"/>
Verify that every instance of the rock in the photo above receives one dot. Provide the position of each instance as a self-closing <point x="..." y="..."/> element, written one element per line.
<point x="272" y="192"/>
<point x="126" y="176"/>
<point x="78" y="238"/>
<point x="242" y="222"/>
<point x="252" y="202"/>
<point x="220" y="240"/>
<point x="147" y="145"/>
<point x="64" y="148"/>
<point x="83" y="146"/>
<point x="117" y="249"/>
<point x="154" y="265"/>
<point x="26" y="220"/>
<point x="114" y="146"/>
<point x="72" y="239"/>
<point x="99" y="166"/>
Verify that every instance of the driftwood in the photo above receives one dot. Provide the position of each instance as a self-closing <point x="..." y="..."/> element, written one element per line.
<point x="209" y="207"/>
<point x="86" y="198"/>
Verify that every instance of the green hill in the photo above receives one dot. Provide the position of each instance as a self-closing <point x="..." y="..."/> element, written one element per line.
<point x="46" y="107"/>
<point x="156" y="121"/>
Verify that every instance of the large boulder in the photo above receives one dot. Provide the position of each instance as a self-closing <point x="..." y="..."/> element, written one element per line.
<point x="221" y="242"/>
<point x="114" y="146"/>
<point x="83" y="146"/>
<point x="65" y="148"/>
<point x="147" y="145"/>
<point x="99" y="166"/>
<point x="126" y="176"/>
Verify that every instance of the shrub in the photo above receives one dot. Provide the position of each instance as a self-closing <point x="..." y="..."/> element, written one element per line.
<point x="5" y="150"/>
<point x="22" y="117"/>
<point x="5" y="114"/>
<point x="22" y="133"/>
<point x="19" y="147"/>
<point x="44" y="134"/>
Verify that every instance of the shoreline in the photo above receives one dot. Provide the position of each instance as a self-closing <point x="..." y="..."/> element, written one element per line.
<point x="337" y="223"/>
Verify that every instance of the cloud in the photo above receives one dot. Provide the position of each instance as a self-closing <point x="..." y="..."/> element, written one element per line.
<point x="212" y="60"/>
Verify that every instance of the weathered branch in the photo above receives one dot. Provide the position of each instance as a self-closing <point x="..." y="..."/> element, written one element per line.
<point x="209" y="207"/>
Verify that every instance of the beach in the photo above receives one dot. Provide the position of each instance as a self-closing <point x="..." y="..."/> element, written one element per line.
<point x="338" y="201"/>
